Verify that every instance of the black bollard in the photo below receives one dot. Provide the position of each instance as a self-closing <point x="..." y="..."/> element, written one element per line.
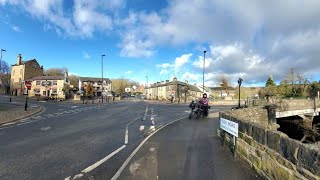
<point x="26" y="104"/>
<point x="10" y="99"/>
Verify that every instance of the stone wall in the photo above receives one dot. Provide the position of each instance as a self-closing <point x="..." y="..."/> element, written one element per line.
<point x="256" y="115"/>
<point x="273" y="154"/>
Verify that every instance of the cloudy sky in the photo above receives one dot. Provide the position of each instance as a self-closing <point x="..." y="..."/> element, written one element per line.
<point x="162" y="39"/>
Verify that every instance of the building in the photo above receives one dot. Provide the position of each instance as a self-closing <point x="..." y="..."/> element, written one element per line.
<point x="20" y="72"/>
<point x="98" y="88"/>
<point x="52" y="87"/>
<point x="178" y="90"/>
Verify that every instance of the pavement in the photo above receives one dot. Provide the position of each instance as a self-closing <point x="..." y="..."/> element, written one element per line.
<point x="187" y="149"/>
<point x="89" y="141"/>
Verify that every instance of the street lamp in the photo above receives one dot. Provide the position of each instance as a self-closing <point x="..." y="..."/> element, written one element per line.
<point x="204" y="63"/>
<point x="102" y="77"/>
<point x="239" y="82"/>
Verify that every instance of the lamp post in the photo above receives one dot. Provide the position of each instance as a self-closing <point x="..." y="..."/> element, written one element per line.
<point x="146" y="88"/>
<point x="239" y="82"/>
<point x="102" y="77"/>
<point x="204" y="63"/>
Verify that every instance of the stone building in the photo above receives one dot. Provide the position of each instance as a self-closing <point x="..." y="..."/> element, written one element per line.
<point x="98" y="88"/>
<point x="20" y="72"/>
<point x="52" y="87"/>
<point x="178" y="90"/>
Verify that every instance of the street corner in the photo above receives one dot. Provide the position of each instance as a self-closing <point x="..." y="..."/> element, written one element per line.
<point x="13" y="114"/>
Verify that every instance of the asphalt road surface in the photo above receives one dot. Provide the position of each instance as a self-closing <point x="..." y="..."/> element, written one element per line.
<point x="89" y="141"/>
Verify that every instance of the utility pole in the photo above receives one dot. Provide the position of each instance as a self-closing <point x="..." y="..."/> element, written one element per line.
<point x="204" y="63"/>
<point x="239" y="82"/>
<point x="102" y="78"/>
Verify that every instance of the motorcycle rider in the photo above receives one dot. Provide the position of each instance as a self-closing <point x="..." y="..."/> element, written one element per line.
<point x="204" y="102"/>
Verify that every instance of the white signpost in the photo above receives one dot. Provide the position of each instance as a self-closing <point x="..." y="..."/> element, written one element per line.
<point x="232" y="128"/>
<point x="229" y="126"/>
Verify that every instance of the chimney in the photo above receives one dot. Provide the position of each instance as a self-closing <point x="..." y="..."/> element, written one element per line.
<point x="167" y="81"/>
<point x="19" y="59"/>
<point x="174" y="79"/>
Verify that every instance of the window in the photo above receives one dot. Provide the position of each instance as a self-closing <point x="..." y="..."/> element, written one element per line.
<point x="44" y="93"/>
<point x="54" y="83"/>
<point x="38" y="83"/>
<point x="54" y="91"/>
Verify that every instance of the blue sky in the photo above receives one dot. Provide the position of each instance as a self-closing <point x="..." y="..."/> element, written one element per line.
<point x="162" y="39"/>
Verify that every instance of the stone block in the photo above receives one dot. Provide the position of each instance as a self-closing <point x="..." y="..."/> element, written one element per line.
<point x="307" y="174"/>
<point x="273" y="141"/>
<point x="241" y="135"/>
<point x="281" y="160"/>
<point x="245" y="127"/>
<point x="241" y="149"/>
<point x="248" y="140"/>
<point x="274" y="170"/>
<point x="309" y="158"/>
<point x="255" y="160"/>
<point x="289" y="149"/>
<point x="259" y="134"/>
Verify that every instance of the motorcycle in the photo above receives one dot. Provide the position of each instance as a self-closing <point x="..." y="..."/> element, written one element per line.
<point x="200" y="110"/>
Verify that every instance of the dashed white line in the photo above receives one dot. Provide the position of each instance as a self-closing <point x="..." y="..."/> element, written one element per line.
<point x="93" y="166"/>
<point x="141" y="128"/>
<point x="126" y="136"/>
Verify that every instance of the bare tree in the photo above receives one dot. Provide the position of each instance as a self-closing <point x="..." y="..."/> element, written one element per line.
<point x="5" y="72"/>
<point x="55" y="71"/>
<point x="74" y="80"/>
<point x="224" y="82"/>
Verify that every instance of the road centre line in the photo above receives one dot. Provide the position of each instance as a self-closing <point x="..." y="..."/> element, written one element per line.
<point x="118" y="173"/>
<point x="145" y="114"/>
<point x="93" y="166"/>
<point x="126" y="136"/>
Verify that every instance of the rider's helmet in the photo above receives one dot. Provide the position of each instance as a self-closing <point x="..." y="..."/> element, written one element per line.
<point x="204" y="95"/>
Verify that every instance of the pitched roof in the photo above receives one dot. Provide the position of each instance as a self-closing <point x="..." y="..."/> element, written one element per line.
<point x="46" y="78"/>
<point x="27" y="62"/>
<point x="194" y="88"/>
<point x="94" y="79"/>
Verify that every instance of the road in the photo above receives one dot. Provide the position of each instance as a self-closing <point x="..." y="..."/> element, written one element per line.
<point x="90" y="141"/>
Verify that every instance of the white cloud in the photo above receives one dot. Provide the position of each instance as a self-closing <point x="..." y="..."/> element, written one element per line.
<point x="164" y="72"/>
<point x="134" y="47"/>
<point x="129" y="72"/>
<point x="180" y="61"/>
<point x="16" y="28"/>
<point x="164" y="65"/>
<point x="86" y="55"/>
<point x="190" y="76"/>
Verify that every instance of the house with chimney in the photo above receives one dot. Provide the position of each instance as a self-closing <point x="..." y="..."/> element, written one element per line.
<point x="21" y="71"/>
<point x="178" y="90"/>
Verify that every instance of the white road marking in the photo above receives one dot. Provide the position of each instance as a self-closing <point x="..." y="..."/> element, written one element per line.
<point x="77" y="176"/>
<point x="145" y="114"/>
<point x="134" y="167"/>
<point x="45" y="128"/>
<point x="93" y="166"/>
<point x="6" y="124"/>
<point x="126" y="136"/>
<point x="152" y="122"/>
<point x="141" y="128"/>
<point x="118" y="173"/>
<point x="152" y="128"/>
<point x="152" y="118"/>
<point x="67" y="178"/>
<point x="73" y="106"/>
<point x="26" y="122"/>
<point x="152" y="149"/>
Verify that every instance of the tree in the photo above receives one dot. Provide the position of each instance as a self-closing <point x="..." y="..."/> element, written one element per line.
<point x="223" y="81"/>
<point x="119" y="85"/>
<point x="89" y="90"/>
<point x="270" y="82"/>
<point x="55" y="71"/>
<point x="5" y="73"/>
<point x="74" y="80"/>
